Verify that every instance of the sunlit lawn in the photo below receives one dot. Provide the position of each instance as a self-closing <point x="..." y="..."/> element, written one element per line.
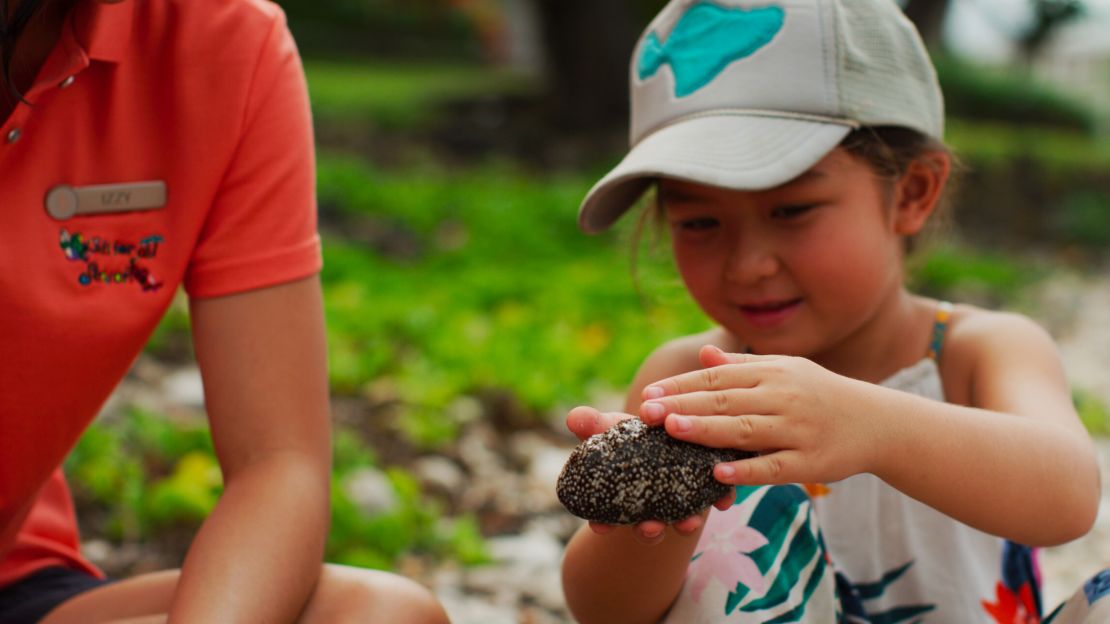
<point x="396" y="94"/>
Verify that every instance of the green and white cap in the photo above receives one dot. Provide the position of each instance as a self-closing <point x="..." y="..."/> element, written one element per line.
<point x="749" y="94"/>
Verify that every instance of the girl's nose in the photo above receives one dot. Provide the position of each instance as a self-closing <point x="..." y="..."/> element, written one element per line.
<point x="751" y="260"/>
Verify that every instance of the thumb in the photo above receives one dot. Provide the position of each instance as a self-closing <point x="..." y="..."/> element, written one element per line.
<point x="584" y="421"/>
<point x="711" y="356"/>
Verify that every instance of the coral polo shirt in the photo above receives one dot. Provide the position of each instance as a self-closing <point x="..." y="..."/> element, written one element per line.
<point x="167" y="142"/>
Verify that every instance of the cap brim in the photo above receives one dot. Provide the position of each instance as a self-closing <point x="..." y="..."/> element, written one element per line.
<point x="731" y="151"/>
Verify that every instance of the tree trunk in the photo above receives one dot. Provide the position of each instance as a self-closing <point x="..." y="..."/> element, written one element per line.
<point x="928" y="16"/>
<point x="587" y="46"/>
<point x="1049" y="16"/>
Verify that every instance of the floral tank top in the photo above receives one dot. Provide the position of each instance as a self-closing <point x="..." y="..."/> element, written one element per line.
<point x="856" y="550"/>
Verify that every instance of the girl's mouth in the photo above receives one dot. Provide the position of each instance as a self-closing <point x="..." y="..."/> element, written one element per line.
<point x="771" y="313"/>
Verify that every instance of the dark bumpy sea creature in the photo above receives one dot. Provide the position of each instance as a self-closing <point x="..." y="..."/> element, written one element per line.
<point x="633" y="473"/>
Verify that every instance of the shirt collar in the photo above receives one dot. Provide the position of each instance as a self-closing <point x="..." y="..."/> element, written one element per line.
<point x="104" y="30"/>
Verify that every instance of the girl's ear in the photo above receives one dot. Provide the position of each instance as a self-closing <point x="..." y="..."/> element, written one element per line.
<point x="919" y="190"/>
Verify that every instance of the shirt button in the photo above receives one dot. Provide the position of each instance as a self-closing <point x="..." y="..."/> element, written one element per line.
<point x="14" y="134"/>
<point x="65" y="83"/>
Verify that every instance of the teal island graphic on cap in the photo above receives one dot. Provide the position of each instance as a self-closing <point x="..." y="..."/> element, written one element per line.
<point x="705" y="40"/>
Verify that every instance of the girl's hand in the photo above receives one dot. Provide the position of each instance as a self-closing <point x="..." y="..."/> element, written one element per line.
<point x="587" y="421"/>
<point x="809" y="424"/>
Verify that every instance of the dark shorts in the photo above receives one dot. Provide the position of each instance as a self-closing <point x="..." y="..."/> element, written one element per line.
<point x="27" y="600"/>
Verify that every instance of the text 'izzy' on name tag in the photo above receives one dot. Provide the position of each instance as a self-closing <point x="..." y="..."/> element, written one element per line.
<point x="65" y="201"/>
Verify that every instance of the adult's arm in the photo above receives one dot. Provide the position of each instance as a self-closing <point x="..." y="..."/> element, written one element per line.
<point x="262" y="359"/>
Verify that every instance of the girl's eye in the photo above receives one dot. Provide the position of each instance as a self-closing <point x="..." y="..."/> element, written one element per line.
<point x="697" y="225"/>
<point x="791" y="212"/>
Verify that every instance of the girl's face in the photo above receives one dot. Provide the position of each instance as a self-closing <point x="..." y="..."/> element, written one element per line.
<point x="791" y="270"/>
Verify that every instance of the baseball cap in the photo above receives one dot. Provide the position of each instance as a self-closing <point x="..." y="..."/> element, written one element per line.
<point x="749" y="94"/>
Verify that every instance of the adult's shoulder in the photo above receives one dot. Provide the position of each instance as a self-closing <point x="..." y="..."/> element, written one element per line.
<point x="214" y="65"/>
<point x="215" y="37"/>
<point x="201" y="16"/>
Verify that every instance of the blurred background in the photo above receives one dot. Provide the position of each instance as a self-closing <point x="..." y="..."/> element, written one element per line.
<point x="467" y="313"/>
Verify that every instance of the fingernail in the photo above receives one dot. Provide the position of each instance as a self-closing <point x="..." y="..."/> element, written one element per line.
<point x="681" y="424"/>
<point x="653" y="411"/>
<point x="653" y="392"/>
<point x="725" y="472"/>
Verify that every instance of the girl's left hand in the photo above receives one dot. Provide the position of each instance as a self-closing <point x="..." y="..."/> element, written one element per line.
<point x="809" y="425"/>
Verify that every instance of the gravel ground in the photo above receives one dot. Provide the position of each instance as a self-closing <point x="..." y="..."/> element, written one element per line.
<point x="1077" y="313"/>
<point x="1065" y="568"/>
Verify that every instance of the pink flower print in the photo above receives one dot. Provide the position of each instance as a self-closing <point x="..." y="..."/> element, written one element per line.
<point x="724" y="548"/>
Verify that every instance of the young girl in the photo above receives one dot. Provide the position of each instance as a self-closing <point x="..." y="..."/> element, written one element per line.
<point x="146" y="145"/>
<point x="912" y="453"/>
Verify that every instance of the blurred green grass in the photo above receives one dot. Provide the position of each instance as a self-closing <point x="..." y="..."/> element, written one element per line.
<point x="148" y="476"/>
<point x="981" y="144"/>
<point x="951" y="271"/>
<point x="405" y="95"/>
<point x="496" y="289"/>
<point x="397" y="95"/>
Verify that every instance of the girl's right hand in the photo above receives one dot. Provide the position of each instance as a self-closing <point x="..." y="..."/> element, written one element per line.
<point x="584" y="422"/>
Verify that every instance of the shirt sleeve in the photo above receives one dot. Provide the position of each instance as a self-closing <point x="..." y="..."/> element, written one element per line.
<point x="261" y="228"/>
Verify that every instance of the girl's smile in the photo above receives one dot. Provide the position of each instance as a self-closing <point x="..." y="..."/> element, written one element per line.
<point x="768" y="314"/>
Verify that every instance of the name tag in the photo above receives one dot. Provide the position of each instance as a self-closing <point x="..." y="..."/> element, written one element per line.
<point x="65" y="201"/>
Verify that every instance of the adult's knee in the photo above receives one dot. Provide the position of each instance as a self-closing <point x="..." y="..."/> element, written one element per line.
<point x="346" y="594"/>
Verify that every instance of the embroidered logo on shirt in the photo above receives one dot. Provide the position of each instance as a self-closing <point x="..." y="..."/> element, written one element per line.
<point x="109" y="261"/>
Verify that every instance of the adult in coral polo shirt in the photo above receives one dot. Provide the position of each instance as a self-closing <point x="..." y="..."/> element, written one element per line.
<point x="159" y="143"/>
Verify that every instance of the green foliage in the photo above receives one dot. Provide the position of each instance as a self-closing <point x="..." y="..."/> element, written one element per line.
<point x="171" y="336"/>
<point x="1093" y="412"/>
<point x="377" y="28"/>
<point x="954" y="272"/>
<point x="349" y="452"/>
<point x="979" y="93"/>
<point x="396" y="94"/>
<point x="145" y="472"/>
<point x="464" y="539"/>
<point x="189" y="494"/>
<point x="100" y="470"/>
<point x="414" y="525"/>
<point x="985" y="144"/>
<point x="1084" y="219"/>
<point x="495" y="289"/>
<point x="377" y="541"/>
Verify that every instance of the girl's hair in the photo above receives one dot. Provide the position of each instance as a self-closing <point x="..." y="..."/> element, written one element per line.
<point x="11" y="27"/>
<point x="889" y="151"/>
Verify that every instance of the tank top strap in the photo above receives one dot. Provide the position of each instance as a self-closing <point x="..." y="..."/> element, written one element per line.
<point x="940" y="326"/>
